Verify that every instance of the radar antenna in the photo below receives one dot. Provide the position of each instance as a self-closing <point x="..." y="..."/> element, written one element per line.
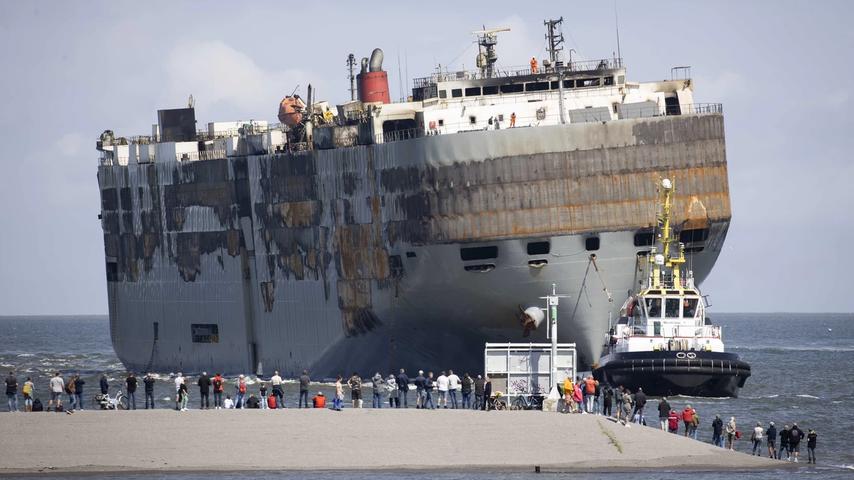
<point x="554" y="37"/>
<point x="487" y="39"/>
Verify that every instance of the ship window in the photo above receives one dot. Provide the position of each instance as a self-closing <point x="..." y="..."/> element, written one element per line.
<point x="569" y="84"/>
<point x="205" y="332"/>
<point x="653" y="307"/>
<point x="410" y="254"/>
<point x="536" y="86"/>
<point x="441" y="122"/>
<point x="512" y="88"/>
<point x="457" y="92"/>
<point x="472" y="119"/>
<point x="490" y="90"/>
<point x="671" y="106"/>
<point x="671" y="308"/>
<point x="644" y="239"/>
<point x="609" y="80"/>
<point x="478" y="253"/>
<point x="694" y="235"/>
<point x="112" y="272"/>
<point x="587" y="82"/>
<point x="689" y="307"/>
<point x="443" y="94"/>
<point x="621" y="79"/>
<point x="538" y="248"/>
<point x="591" y="243"/>
<point x="554" y="85"/>
<point x="472" y="91"/>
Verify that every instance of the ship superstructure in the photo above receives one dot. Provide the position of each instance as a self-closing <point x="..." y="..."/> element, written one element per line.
<point x="377" y="235"/>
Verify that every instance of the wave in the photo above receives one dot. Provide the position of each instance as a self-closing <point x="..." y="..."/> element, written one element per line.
<point x="762" y="397"/>
<point x="803" y="395"/>
<point x="828" y="348"/>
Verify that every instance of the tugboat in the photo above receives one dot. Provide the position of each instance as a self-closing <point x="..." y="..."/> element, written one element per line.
<point x="663" y="341"/>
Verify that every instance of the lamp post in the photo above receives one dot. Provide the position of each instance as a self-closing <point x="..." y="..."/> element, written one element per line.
<point x="552" y="302"/>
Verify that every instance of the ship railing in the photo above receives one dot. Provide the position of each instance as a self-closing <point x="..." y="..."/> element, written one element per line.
<point x="203" y="135"/>
<point x="679" y="331"/>
<point x="519" y="71"/>
<point x="398" y="135"/>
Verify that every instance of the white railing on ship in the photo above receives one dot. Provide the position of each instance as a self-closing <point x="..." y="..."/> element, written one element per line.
<point x="705" y="331"/>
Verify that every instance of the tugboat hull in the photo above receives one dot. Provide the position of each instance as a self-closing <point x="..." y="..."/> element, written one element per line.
<point x="692" y="373"/>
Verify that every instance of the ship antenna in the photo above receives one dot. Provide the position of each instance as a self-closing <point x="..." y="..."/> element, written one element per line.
<point x="487" y="39"/>
<point x="554" y="37"/>
<point x="617" y="27"/>
<point x="351" y="64"/>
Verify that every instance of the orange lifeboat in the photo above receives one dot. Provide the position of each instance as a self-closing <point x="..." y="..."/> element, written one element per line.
<point x="291" y="110"/>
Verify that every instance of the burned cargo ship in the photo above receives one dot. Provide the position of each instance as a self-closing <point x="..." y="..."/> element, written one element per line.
<point x="377" y="235"/>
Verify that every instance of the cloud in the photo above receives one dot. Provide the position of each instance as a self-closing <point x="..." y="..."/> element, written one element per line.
<point x="222" y="78"/>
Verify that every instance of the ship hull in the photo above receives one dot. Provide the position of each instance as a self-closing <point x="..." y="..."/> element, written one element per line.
<point x="667" y="373"/>
<point x="352" y="259"/>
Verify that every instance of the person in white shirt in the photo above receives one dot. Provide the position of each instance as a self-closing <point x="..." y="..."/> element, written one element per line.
<point x="276" y="383"/>
<point x="454" y="386"/>
<point x="442" y="385"/>
<point x="228" y="403"/>
<point x="179" y="380"/>
<point x="758" y="435"/>
<point x="57" y="386"/>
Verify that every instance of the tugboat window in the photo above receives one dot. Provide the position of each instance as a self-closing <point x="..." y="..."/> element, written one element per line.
<point x="653" y="307"/>
<point x="591" y="243"/>
<point x="689" y="307"/>
<point x="478" y="253"/>
<point x="457" y="92"/>
<point x="538" y="248"/>
<point x="671" y="308"/>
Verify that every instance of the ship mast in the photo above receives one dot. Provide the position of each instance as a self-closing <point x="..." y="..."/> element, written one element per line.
<point x="487" y="39"/>
<point x="663" y="262"/>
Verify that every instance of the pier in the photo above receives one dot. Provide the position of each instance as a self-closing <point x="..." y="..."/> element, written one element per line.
<point x="365" y="439"/>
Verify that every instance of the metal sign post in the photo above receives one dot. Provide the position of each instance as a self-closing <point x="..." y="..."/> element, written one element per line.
<point x="551" y="311"/>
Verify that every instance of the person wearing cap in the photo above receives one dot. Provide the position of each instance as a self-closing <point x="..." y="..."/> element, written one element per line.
<point x="784" y="444"/>
<point x="319" y="400"/>
<point x="812" y="437"/>
<point x="771" y="439"/>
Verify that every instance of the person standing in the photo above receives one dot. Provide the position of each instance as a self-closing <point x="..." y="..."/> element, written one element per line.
<point x="568" y="391"/>
<point x="183" y="396"/>
<point x="453" y="388"/>
<point x="479" y="388"/>
<point x="771" y="438"/>
<point x="218" y="387"/>
<point x="355" y="384"/>
<point x="12" y="391"/>
<point x="148" y="386"/>
<point x="429" y="384"/>
<point x="105" y="386"/>
<point x="442" y="387"/>
<point x="402" y="389"/>
<point x="487" y="391"/>
<point x="663" y="413"/>
<point x="276" y="383"/>
<point x="57" y="386"/>
<point x="391" y="391"/>
<point x="756" y="437"/>
<point x="465" y="388"/>
<point x="731" y="429"/>
<point x="673" y="422"/>
<point x="640" y="402"/>
<point x="688" y="419"/>
<point x="795" y="437"/>
<point x="241" y="392"/>
<point x="78" y="390"/>
<point x="718" y="431"/>
<point x="204" y="384"/>
<point x="130" y="383"/>
<point x="812" y="438"/>
<point x="69" y="390"/>
<point x="179" y="380"/>
<point x="607" y="400"/>
<point x="419" y="389"/>
<point x="596" y="394"/>
<point x="304" y="382"/>
<point x="263" y="391"/>
<point x="377" y="387"/>
<point x="618" y="401"/>
<point x="784" y="444"/>
<point x="512" y="119"/>
<point x="28" y="391"/>
<point x="589" y="393"/>
<point x="628" y="408"/>
<point x="339" y="395"/>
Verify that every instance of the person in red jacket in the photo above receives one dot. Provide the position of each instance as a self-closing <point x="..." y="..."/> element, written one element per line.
<point x="673" y="422"/>
<point x="688" y="420"/>
<point x="218" y="386"/>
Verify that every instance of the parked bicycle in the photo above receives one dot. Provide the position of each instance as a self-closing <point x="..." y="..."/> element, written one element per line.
<point x="117" y="402"/>
<point x="527" y="402"/>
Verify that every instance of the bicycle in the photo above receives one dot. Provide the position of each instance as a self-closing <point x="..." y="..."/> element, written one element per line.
<point x="117" y="402"/>
<point x="496" y="402"/>
<point x="527" y="402"/>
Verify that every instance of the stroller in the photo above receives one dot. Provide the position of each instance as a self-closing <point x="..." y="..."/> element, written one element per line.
<point x="106" y="402"/>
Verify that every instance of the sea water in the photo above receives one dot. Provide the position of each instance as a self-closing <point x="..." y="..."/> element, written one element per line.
<point x="801" y="372"/>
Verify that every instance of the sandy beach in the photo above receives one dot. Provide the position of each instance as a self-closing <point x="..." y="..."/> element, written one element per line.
<point x="237" y="440"/>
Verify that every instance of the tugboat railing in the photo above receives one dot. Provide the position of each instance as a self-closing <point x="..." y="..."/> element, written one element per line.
<point x="679" y="331"/>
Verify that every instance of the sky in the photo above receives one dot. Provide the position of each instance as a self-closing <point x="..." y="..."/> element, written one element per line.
<point x="782" y="70"/>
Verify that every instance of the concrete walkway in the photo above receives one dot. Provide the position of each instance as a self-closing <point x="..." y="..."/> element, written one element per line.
<point x="235" y="440"/>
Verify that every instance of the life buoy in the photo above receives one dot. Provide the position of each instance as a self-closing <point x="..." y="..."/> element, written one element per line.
<point x="680" y="354"/>
<point x="691" y="355"/>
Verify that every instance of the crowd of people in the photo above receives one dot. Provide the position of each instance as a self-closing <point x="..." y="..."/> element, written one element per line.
<point x="447" y="390"/>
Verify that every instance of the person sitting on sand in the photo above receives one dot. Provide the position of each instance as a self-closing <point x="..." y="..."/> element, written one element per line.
<point x="319" y="400"/>
<point x="228" y="403"/>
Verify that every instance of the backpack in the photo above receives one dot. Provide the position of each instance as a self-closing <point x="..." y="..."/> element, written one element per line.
<point x="242" y="387"/>
<point x="696" y="420"/>
<point x="37" y="405"/>
<point x="69" y="387"/>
